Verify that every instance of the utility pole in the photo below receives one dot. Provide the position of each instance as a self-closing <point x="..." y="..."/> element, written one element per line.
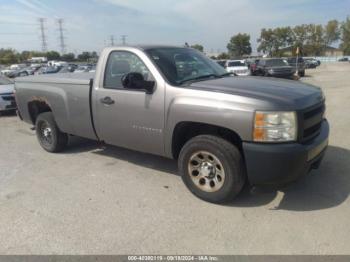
<point x="112" y="40"/>
<point x="61" y="35"/>
<point x="42" y="34"/>
<point x="123" y="37"/>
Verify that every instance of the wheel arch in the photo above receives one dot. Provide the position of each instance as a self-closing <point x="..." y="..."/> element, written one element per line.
<point x="36" y="107"/>
<point x="186" y="130"/>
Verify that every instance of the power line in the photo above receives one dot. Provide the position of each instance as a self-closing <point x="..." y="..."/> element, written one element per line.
<point x="43" y="35"/>
<point x="123" y="38"/>
<point x="17" y="23"/>
<point x="112" y="40"/>
<point x="61" y="37"/>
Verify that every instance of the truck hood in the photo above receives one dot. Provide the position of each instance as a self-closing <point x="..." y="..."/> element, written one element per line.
<point x="6" y="89"/>
<point x="285" y="94"/>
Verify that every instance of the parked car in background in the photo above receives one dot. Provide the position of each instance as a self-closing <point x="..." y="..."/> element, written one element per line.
<point x="82" y="69"/>
<point x="7" y="98"/>
<point x="343" y="59"/>
<point x="64" y="69"/>
<point x="300" y="66"/>
<point x="92" y="69"/>
<point x="276" y="67"/>
<point x="72" y="67"/>
<point x="237" y="67"/>
<point x="48" y="70"/>
<point x="221" y="62"/>
<point x="311" y="63"/>
<point x="54" y="63"/>
<point x="6" y="71"/>
<point x="253" y="66"/>
<point x="21" y="72"/>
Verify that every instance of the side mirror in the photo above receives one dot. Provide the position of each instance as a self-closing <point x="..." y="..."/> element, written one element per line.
<point x="135" y="80"/>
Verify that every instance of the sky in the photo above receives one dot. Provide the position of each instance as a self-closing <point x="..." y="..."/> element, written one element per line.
<point x="89" y="24"/>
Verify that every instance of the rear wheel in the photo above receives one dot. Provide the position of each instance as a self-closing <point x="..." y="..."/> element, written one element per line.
<point x="48" y="133"/>
<point x="212" y="168"/>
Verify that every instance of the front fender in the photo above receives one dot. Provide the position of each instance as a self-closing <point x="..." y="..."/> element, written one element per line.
<point x="237" y="117"/>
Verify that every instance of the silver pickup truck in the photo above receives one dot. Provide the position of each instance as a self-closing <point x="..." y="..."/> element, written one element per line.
<point x="175" y="102"/>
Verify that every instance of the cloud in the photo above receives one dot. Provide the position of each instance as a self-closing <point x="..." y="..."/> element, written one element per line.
<point x="90" y="23"/>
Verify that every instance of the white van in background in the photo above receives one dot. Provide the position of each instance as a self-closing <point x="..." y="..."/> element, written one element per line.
<point x="238" y="67"/>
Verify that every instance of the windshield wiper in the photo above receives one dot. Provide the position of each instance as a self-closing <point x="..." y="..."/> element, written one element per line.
<point x="204" y="77"/>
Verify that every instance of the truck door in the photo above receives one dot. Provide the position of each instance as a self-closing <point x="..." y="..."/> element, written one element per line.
<point x="127" y="117"/>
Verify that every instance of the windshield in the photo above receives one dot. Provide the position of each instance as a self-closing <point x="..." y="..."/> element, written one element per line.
<point x="5" y="81"/>
<point x="236" y="63"/>
<point x="180" y="65"/>
<point x="276" y="62"/>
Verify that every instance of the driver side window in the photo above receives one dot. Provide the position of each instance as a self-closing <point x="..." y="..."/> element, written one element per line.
<point x="121" y="63"/>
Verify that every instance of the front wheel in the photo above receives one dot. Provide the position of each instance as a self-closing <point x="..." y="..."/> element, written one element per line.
<point x="302" y="73"/>
<point x="48" y="133"/>
<point x="212" y="168"/>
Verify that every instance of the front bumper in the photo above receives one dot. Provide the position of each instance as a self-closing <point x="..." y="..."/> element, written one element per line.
<point x="282" y="74"/>
<point x="284" y="163"/>
<point x="241" y="72"/>
<point x="7" y="102"/>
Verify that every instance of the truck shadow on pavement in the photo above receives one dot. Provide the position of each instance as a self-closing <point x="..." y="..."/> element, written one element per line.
<point x="326" y="187"/>
<point x="162" y="164"/>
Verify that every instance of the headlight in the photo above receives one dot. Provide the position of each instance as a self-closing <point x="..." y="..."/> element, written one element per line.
<point x="275" y="126"/>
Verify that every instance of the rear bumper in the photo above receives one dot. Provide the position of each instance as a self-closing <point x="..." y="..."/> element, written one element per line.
<point x="284" y="163"/>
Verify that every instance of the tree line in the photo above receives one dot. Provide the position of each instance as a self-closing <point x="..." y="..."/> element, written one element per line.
<point x="309" y="39"/>
<point x="11" y="56"/>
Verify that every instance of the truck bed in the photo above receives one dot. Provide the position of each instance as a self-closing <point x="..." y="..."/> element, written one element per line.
<point x="68" y="95"/>
<point x="66" y="78"/>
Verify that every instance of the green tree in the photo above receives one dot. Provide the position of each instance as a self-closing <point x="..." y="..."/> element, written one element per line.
<point x="332" y="32"/>
<point x="24" y="56"/>
<point x="53" y="55"/>
<point x="198" y="47"/>
<point x="8" y="56"/>
<point x="300" y="37"/>
<point x="38" y="54"/>
<point x="84" y="56"/>
<point x="315" y="40"/>
<point x="223" y="56"/>
<point x="88" y="56"/>
<point x="239" y="45"/>
<point x="266" y="41"/>
<point x="68" y="57"/>
<point x="345" y="36"/>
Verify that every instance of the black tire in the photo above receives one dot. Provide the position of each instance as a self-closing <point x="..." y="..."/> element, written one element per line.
<point x="230" y="158"/>
<point x="302" y="73"/>
<point x="48" y="133"/>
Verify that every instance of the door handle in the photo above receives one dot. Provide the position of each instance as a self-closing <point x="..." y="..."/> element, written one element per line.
<point x="107" y="100"/>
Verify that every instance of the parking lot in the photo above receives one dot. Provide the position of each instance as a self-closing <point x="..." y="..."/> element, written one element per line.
<point x="95" y="199"/>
